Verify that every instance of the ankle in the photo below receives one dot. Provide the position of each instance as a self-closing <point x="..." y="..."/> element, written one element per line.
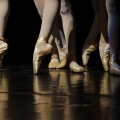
<point x="63" y="52"/>
<point x="73" y="63"/>
<point x="55" y="58"/>
<point x="42" y="40"/>
<point x="1" y="38"/>
<point x="113" y="57"/>
<point x="113" y="63"/>
<point x="71" y="59"/>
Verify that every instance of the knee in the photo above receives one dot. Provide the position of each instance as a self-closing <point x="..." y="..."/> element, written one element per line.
<point x="65" y="7"/>
<point x="112" y="6"/>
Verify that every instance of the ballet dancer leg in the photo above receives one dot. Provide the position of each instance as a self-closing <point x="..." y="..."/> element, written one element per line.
<point x="54" y="62"/>
<point x="114" y="34"/>
<point x="42" y="48"/>
<point x="70" y="34"/>
<point x="99" y="27"/>
<point x="60" y="41"/>
<point x="4" y="12"/>
<point x="92" y="40"/>
<point x="104" y="42"/>
<point x="60" y="48"/>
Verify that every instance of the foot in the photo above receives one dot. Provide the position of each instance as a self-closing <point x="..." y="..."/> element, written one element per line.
<point x="104" y="49"/>
<point x="63" y="62"/>
<point x="74" y="67"/>
<point x="113" y="65"/>
<point x="87" y="52"/>
<point x="54" y="61"/>
<point x="42" y="48"/>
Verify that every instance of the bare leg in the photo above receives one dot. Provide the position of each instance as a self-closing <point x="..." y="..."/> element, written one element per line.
<point x="4" y="12"/>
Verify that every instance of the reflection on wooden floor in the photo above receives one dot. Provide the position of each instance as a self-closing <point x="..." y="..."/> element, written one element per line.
<point x="59" y="94"/>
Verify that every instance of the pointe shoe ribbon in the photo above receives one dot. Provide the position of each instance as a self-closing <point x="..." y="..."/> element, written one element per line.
<point x="104" y="50"/>
<point x="63" y="61"/>
<point x="42" y="48"/>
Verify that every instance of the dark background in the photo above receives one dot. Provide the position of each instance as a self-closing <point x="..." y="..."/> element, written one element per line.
<point x="24" y="25"/>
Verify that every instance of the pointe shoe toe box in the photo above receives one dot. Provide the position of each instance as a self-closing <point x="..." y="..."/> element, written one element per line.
<point x="39" y="55"/>
<point x="62" y="64"/>
<point x="53" y="64"/>
<point x="115" y="71"/>
<point x="77" y="69"/>
<point x="36" y="67"/>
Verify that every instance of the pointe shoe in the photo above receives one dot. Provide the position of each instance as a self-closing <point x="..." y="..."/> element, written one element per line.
<point x="74" y="67"/>
<point x="54" y="62"/>
<point x="88" y="51"/>
<point x="77" y="69"/>
<point x="104" y="49"/>
<point x="3" y="49"/>
<point x="42" y="48"/>
<point x="114" y="68"/>
<point x="53" y="65"/>
<point x="63" y="61"/>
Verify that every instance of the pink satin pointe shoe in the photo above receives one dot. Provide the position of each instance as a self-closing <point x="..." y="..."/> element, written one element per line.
<point x="114" y="68"/>
<point x="42" y="48"/>
<point x="104" y="49"/>
<point x="3" y="49"/>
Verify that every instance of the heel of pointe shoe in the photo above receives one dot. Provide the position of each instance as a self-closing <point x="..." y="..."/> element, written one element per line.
<point x="39" y="58"/>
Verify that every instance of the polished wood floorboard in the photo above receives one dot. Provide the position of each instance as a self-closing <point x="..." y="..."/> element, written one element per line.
<point x="58" y="95"/>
